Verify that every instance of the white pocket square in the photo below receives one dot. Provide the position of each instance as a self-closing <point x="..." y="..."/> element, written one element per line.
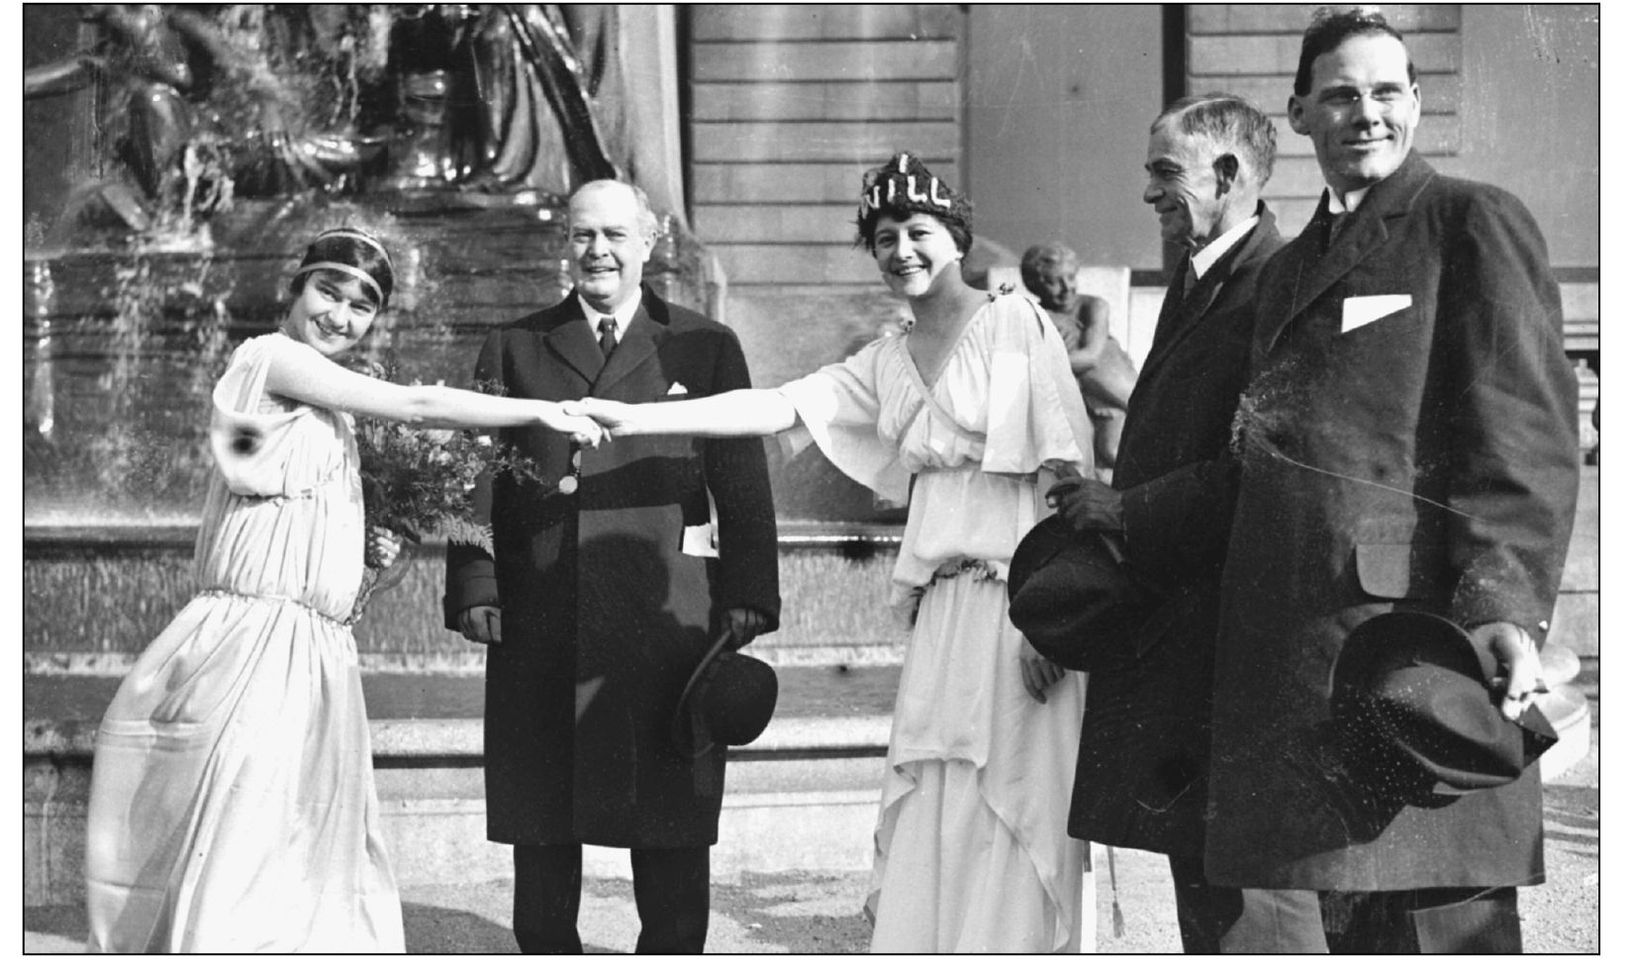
<point x="1359" y="311"/>
<point x="677" y="388"/>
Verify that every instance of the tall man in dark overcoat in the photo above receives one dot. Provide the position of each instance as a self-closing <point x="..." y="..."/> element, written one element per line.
<point x="1408" y="443"/>
<point x="1144" y="751"/>
<point x="612" y="570"/>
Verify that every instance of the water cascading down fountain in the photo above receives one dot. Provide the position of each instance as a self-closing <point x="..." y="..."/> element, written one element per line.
<point x="189" y="153"/>
<point x="225" y="138"/>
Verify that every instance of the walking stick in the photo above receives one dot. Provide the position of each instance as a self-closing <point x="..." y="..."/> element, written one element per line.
<point x="1113" y="893"/>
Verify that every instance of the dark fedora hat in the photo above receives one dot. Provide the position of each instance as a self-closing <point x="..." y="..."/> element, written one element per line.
<point x="728" y="700"/>
<point x="1418" y="682"/>
<point x="1072" y="594"/>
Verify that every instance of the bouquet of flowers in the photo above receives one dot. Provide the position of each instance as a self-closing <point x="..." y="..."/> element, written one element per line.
<point x="418" y="483"/>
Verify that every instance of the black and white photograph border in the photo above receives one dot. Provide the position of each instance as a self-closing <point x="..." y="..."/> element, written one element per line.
<point x="177" y="159"/>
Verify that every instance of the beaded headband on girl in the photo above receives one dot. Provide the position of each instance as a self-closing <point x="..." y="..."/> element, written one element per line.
<point x="358" y="235"/>
<point x="901" y="181"/>
<point x="349" y="269"/>
<point x="356" y="272"/>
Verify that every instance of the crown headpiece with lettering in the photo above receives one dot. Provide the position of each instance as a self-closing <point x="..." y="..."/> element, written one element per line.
<point x="905" y="186"/>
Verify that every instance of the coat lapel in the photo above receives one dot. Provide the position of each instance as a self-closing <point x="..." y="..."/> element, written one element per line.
<point x="1174" y="316"/>
<point x="1173" y="330"/>
<point x="570" y="339"/>
<point x="642" y="339"/>
<point x="1316" y="271"/>
<point x="1172" y="303"/>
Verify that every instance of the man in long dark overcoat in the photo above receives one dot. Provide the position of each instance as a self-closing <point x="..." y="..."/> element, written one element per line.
<point x="1408" y="443"/>
<point x="1144" y="751"/>
<point x="612" y="568"/>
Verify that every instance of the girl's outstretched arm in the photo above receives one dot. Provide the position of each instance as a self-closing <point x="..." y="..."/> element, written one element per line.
<point x="303" y="374"/>
<point x="747" y="412"/>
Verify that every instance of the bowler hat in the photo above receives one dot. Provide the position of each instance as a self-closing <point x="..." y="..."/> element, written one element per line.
<point x="728" y="700"/>
<point x="1139" y="778"/>
<point x="1419" y="682"/>
<point x="1072" y="594"/>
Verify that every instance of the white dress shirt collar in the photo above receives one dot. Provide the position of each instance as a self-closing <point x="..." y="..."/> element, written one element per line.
<point x="1345" y="202"/>
<point x="621" y="314"/>
<point x="1208" y="255"/>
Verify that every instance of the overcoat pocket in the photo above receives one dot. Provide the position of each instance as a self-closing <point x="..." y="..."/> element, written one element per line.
<point x="1385" y="570"/>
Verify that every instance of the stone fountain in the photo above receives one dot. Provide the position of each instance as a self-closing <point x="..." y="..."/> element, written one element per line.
<point x="174" y="247"/>
<point x="204" y="146"/>
<point x="178" y="159"/>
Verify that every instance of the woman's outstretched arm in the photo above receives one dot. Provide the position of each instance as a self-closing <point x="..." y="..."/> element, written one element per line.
<point x="307" y="376"/>
<point x="747" y="412"/>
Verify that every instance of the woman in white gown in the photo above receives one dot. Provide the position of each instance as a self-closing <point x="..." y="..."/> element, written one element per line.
<point x="977" y="405"/>
<point x="233" y="802"/>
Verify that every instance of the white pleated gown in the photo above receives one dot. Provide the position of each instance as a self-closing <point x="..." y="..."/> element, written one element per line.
<point x="233" y="803"/>
<point x="972" y="853"/>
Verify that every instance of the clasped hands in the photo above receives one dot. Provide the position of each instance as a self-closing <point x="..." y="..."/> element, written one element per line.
<point x="611" y="418"/>
<point x="591" y="421"/>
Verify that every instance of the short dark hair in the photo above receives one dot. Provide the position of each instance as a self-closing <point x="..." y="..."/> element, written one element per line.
<point x="1331" y="28"/>
<point x="1231" y="123"/>
<point x="889" y="190"/>
<point x="353" y="248"/>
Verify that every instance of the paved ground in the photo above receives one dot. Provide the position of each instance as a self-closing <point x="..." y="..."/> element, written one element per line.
<point x="820" y="913"/>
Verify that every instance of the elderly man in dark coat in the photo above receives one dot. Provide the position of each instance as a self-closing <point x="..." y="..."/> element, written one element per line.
<point x="613" y="572"/>
<point x="1144" y="750"/>
<point x="1408" y="443"/>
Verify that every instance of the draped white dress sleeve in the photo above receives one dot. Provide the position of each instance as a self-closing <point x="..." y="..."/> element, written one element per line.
<point x="233" y="803"/>
<point x="972" y="853"/>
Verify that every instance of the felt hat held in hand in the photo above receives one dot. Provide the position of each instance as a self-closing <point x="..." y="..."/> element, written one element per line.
<point x="1072" y="595"/>
<point x="728" y="700"/>
<point x="1418" y="682"/>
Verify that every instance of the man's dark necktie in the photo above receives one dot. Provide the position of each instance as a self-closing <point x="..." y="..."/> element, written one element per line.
<point x="1336" y="219"/>
<point x="1189" y="280"/>
<point x="569" y="482"/>
<point x="1170" y="310"/>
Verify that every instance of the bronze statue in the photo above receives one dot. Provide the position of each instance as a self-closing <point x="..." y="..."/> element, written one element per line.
<point x="498" y="100"/>
<point x="198" y="104"/>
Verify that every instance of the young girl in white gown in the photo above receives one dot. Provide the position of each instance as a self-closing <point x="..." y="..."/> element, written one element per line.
<point x="977" y="404"/>
<point x="233" y="802"/>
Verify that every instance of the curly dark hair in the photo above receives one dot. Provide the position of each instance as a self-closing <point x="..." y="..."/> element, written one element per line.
<point x="904" y="186"/>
